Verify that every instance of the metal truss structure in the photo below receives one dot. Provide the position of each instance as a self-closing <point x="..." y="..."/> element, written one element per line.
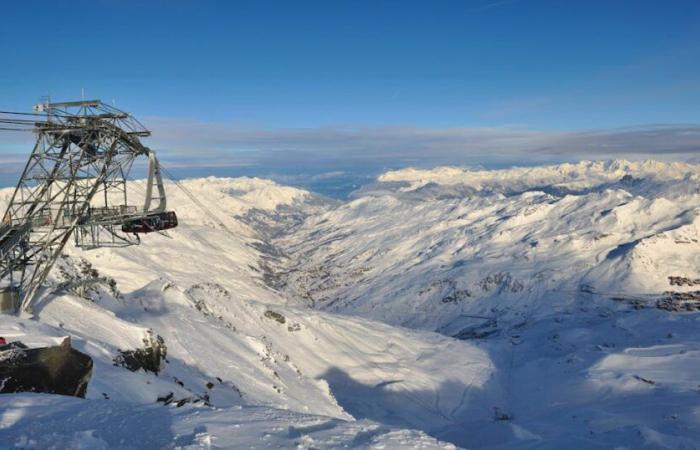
<point x="75" y="185"/>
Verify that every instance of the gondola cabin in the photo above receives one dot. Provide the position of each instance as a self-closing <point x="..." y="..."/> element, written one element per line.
<point x="150" y="223"/>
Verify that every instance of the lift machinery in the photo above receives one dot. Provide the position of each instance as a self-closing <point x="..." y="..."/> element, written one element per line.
<point x="74" y="185"/>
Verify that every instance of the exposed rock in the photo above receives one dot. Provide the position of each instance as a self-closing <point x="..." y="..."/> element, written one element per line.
<point x="683" y="281"/>
<point x="457" y="296"/>
<point x="84" y="280"/>
<point x="450" y="292"/>
<point x="629" y="180"/>
<point x="480" y="331"/>
<point x="499" y="415"/>
<point x="147" y="358"/>
<point x="202" y="293"/>
<point x="634" y="302"/>
<point x="680" y="301"/>
<point x="503" y="281"/>
<point x="54" y="370"/>
<point x="275" y="316"/>
<point x="170" y="398"/>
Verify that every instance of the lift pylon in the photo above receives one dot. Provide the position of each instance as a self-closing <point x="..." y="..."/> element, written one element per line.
<point x="75" y="185"/>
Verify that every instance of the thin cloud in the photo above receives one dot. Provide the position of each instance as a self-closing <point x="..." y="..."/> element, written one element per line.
<point x="189" y="145"/>
<point x="428" y="145"/>
<point x="492" y="5"/>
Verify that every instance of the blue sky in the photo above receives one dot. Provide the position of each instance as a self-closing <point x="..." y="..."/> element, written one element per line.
<point x="246" y="80"/>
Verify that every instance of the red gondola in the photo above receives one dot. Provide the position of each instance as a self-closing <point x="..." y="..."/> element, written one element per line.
<point x="150" y="223"/>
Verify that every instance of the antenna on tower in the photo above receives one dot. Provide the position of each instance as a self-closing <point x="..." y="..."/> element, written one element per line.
<point x="42" y="106"/>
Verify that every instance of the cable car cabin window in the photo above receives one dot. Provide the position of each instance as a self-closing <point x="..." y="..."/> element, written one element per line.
<point x="153" y="222"/>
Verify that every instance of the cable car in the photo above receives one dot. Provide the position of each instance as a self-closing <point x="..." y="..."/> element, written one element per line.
<point x="150" y="223"/>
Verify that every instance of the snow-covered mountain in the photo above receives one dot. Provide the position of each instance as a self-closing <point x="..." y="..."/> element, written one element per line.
<point x="530" y="307"/>
<point x="420" y="248"/>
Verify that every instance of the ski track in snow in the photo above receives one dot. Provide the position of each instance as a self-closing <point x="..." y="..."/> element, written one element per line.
<point x="325" y="325"/>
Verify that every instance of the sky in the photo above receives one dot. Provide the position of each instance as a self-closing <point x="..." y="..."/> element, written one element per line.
<point x="326" y="87"/>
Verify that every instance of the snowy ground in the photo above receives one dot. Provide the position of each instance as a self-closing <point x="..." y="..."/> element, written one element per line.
<point x="309" y="323"/>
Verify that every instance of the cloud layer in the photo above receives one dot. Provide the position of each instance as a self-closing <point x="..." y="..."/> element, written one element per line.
<point x="425" y="145"/>
<point x="189" y="144"/>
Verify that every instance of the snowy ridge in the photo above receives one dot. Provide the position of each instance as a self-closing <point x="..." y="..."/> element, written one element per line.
<point x="246" y="193"/>
<point x="584" y="174"/>
<point x="421" y="255"/>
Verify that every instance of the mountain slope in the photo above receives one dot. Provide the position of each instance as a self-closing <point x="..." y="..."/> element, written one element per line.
<point x="421" y="248"/>
<point x="231" y="342"/>
<point x="519" y="308"/>
<point x="566" y="276"/>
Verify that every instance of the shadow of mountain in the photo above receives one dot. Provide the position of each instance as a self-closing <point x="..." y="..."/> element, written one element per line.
<point x="455" y="412"/>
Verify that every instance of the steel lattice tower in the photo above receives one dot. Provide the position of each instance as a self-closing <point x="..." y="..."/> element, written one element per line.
<point x="75" y="184"/>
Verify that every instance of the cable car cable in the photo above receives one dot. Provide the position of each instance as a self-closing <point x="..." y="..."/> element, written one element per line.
<point x="196" y="201"/>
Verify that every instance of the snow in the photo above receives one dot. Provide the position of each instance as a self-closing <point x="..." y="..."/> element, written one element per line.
<point x="57" y="422"/>
<point x="672" y="366"/>
<point x="548" y="265"/>
<point x="399" y="254"/>
<point x="579" y="176"/>
<point x="306" y="323"/>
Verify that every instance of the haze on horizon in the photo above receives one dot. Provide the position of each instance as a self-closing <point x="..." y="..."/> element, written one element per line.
<point x="307" y="90"/>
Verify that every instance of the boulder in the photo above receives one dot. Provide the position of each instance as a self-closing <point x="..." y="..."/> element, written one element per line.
<point x="60" y="369"/>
